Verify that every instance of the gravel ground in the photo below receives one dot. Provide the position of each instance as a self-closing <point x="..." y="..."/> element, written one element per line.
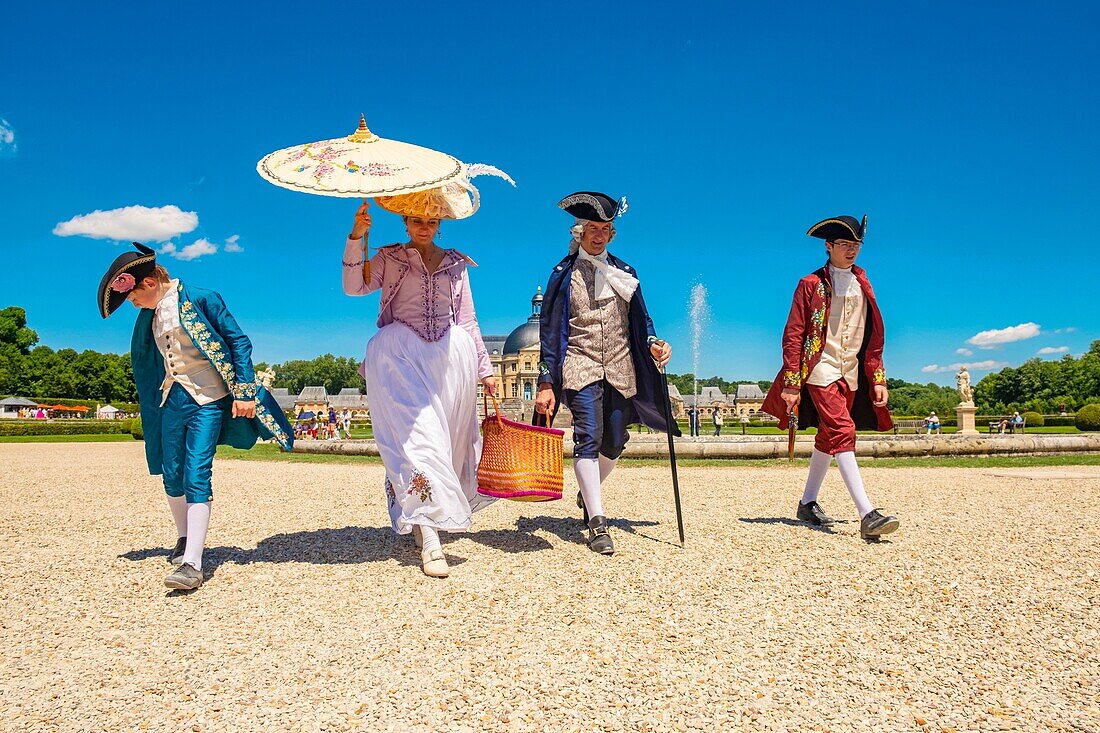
<point x="982" y="613"/>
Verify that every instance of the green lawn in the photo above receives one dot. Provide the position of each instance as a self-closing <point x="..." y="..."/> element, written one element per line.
<point x="107" y="438"/>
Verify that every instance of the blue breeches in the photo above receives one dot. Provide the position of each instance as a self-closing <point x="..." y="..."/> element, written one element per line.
<point x="599" y="420"/>
<point x="189" y="436"/>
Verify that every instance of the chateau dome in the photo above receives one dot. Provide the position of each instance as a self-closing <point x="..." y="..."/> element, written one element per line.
<point x="522" y="336"/>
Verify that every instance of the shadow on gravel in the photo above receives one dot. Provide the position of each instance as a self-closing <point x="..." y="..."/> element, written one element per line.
<point x="791" y="523"/>
<point x="570" y="529"/>
<point x="348" y="545"/>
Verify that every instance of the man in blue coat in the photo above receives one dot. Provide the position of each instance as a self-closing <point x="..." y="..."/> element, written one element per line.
<point x="600" y="354"/>
<point x="197" y="388"/>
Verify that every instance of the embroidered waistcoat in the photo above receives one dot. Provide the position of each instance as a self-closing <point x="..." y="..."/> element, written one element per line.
<point x="599" y="346"/>
<point x="185" y="365"/>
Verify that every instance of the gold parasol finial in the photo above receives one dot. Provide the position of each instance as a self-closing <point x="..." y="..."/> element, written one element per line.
<point x="362" y="135"/>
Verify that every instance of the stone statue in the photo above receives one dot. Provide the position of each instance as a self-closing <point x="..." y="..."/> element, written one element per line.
<point x="962" y="379"/>
<point x="266" y="377"/>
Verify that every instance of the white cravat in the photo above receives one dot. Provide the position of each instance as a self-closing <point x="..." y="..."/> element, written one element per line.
<point x="610" y="281"/>
<point x="167" y="314"/>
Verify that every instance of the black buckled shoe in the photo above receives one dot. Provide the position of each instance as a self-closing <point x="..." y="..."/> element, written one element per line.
<point x="582" y="507"/>
<point x="813" y="514"/>
<point x="599" y="539"/>
<point x="874" y="525"/>
<point x="177" y="551"/>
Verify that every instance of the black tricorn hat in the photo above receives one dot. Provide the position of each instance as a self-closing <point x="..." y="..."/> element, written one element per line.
<point x="840" y="227"/>
<point x="124" y="273"/>
<point x="592" y="206"/>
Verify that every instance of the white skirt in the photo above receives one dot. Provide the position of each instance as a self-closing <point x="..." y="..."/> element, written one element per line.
<point x="423" y="409"/>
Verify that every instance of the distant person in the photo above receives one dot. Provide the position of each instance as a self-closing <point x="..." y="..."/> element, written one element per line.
<point x="192" y="365"/>
<point x="346" y="419"/>
<point x="332" y="431"/>
<point x="717" y="418"/>
<point x="933" y="423"/>
<point x="1017" y="421"/>
<point x="832" y="370"/>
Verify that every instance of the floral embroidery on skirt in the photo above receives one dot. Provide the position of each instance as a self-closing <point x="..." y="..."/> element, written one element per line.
<point x="420" y="486"/>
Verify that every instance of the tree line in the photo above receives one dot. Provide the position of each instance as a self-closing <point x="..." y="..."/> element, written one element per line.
<point x="40" y="372"/>
<point x="34" y="371"/>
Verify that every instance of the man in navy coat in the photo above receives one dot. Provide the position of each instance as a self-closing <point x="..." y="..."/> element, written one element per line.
<point x="600" y="353"/>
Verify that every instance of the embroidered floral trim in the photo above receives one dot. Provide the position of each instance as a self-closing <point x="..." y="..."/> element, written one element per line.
<point x="215" y="352"/>
<point x="815" y="339"/>
<point x="791" y="379"/>
<point x="391" y="496"/>
<point x="878" y="376"/>
<point x="420" y="486"/>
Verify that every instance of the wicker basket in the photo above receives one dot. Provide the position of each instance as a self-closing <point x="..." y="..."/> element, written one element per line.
<point x="518" y="461"/>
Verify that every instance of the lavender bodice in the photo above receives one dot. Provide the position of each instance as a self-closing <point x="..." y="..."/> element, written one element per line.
<point x="428" y="303"/>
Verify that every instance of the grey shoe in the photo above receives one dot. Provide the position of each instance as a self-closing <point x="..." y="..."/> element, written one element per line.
<point x="813" y="514"/>
<point x="599" y="539"/>
<point x="874" y="525"/>
<point x="177" y="552"/>
<point x="185" y="577"/>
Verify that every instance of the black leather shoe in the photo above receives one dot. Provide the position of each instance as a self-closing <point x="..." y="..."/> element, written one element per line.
<point x="177" y="551"/>
<point x="874" y="525"/>
<point x="580" y="504"/>
<point x="813" y="514"/>
<point x="599" y="539"/>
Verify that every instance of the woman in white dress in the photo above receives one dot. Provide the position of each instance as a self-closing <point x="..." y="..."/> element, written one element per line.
<point x="421" y="376"/>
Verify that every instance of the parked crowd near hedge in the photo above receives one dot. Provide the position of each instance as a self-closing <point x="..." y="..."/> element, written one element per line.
<point x="39" y="372"/>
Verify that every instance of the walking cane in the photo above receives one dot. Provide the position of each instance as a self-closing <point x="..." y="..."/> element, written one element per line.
<point x="672" y="456"/>
<point x="792" y="428"/>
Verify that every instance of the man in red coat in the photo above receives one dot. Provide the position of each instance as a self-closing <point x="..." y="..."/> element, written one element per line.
<point x="832" y="370"/>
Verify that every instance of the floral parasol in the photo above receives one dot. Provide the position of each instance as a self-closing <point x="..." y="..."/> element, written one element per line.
<point x="360" y="165"/>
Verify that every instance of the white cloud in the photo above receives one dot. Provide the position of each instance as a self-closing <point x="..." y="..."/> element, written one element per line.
<point x="7" y="139"/>
<point x="975" y="366"/>
<point x="964" y="352"/>
<point x="1070" y="329"/>
<point x="198" y="248"/>
<point x="998" y="336"/>
<point x="131" y="223"/>
<point x="231" y="244"/>
<point x="1047" y="350"/>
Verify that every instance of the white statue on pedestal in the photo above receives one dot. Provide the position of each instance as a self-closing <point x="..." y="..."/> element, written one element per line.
<point x="962" y="380"/>
<point x="266" y="377"/>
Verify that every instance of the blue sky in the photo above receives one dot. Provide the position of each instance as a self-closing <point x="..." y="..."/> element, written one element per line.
<point x="967" y="132"/>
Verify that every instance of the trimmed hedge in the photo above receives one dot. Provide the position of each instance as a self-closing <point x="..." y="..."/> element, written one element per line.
<point x="1057" y="421"/>
<point x="1088" y="418"/>
<point x="134" y="428"/>
<point x="1033" y="420"/>
<point x="65" y="427"/>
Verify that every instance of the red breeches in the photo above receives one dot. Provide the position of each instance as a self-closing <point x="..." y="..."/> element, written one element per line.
<point x="836" y="432"/>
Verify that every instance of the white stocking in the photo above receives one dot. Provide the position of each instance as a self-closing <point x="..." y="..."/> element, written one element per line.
<point x="849" y="471"/>
<point x="198" y="520"/>
<point x="607" y="465"/>
<point x="430" y="537"/>
<point x="819" y="465"/>
<point x="178" y="505"/>
<point x="588" y="477"/>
